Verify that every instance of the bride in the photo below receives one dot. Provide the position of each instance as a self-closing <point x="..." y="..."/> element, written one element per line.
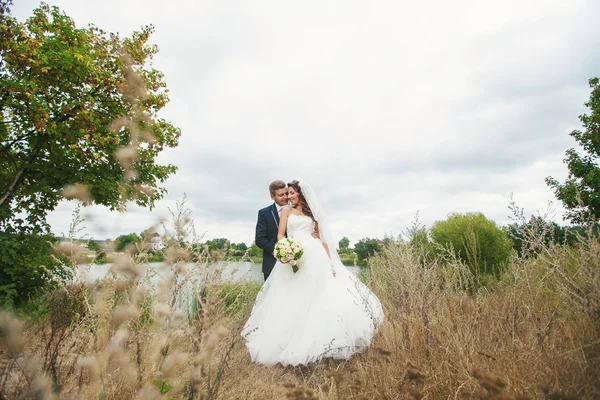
<point x="321" y="311"/>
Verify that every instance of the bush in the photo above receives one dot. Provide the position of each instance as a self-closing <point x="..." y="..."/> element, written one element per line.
<point x="417" y="237"/>
<point x="99" y="253"/>
<point x="66" y="305"/>
<point x="27" y="264"/>
<point x="476" y="240"/>
<point x="348" y="259"/>
<point x="123" y="241"/>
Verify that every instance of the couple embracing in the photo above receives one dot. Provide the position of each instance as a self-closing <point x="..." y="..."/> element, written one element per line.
<point x="321" y="311"/>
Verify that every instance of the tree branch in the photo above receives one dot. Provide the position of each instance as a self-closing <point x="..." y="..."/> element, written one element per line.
<point x="12" y="185"/>
<point x="6" y="147"/>
<point x="18" y="176"/>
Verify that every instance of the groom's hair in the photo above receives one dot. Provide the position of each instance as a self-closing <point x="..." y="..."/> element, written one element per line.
<point x="275" y="186"/>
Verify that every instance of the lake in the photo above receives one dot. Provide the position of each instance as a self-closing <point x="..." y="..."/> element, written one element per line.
<point x="230" y="271"/>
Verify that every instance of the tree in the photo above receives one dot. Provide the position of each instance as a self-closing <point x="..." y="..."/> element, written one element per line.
<point x="239" y="246"/>
<point x="100" y="254"/>
<point x="255" y="251"/>
<point x="417" y="236"/>
<point x="25" y="260"/>
<point x="67" y="95"/>
<point x="581" y="191"/>
<point x="123" y="241"/>
<point x="344" y="244"/>
<point x="366" y="248"/>
<point x="216" y="244"/>
<point x="220" y="243"/>
<point x="237" y="249"/>
<point x="529" y="238"/>
<point x="476" y="240"/>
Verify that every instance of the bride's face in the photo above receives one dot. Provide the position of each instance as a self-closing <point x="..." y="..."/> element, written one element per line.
<point x="293" y="197"/>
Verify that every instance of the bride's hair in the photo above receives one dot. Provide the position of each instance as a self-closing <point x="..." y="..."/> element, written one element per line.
<point x="305" y="208"/>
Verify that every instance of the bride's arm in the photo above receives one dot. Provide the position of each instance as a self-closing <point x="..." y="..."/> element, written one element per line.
<point x="285" y="212"/>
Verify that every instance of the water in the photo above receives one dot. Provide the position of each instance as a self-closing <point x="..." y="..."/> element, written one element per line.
<point x="230" y="271"/>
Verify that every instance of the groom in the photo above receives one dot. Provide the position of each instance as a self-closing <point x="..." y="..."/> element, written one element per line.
<point x="267" y="225"/>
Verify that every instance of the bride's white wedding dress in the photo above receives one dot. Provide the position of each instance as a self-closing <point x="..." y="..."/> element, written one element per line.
<point x="302" y="317"/>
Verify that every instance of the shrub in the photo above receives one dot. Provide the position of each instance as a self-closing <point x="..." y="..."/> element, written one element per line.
<point x="476" y="240"/>
<point x="417" y="236"/>
<point x="26" y="263"/>
<point x="348" y="259"/>
<point x="123" y="241"/>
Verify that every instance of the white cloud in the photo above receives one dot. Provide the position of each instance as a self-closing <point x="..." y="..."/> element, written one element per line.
<point x="387" y="108"/>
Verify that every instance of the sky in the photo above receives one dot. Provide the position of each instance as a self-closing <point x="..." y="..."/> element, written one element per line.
<point x="388" y="109"/>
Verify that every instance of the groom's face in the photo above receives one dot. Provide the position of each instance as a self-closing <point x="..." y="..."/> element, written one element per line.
<point x="280" y="197"/>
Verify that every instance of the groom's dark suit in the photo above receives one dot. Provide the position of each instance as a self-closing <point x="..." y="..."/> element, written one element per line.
<point x="267" y="226"/>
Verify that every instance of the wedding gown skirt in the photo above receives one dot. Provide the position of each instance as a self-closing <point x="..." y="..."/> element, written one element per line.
<point x="302" y="317"/>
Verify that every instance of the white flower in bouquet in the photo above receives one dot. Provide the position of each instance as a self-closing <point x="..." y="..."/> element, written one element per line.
<point x="288" y="251"/>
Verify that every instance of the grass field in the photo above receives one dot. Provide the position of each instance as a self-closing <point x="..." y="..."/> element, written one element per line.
<point x="533" y="334"/>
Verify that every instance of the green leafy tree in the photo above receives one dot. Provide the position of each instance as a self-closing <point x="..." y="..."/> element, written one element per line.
<point x="255" y="251"/>
<point x="238" y="249"/>
<point x="366" y="248"/>
<point x="93" y="245"/>
<point x="580" y="193"/>
<point x="239" y="246"/>
<point x="476" y="240"/>
<point x="526" y="236"/>
<point x="100" y="254"/>
<point x="123" y="241"/>
<point x="220" y="243"/>
<point x="344" y="244"/>
<point x="65" y="94"/>
<point x="211" y="245"/>
<point x="418" y="238"/>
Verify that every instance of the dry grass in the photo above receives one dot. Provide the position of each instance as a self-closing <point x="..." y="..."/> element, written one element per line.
<point x="532" y="335"/>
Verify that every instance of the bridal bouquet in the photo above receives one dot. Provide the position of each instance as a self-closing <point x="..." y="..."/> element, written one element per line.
<point x="288" y="251"/>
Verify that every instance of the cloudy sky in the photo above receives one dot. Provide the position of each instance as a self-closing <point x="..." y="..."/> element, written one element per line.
<point x="387" y="108"/>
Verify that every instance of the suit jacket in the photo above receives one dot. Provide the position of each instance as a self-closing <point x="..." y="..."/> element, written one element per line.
<point x="267" y="227"/>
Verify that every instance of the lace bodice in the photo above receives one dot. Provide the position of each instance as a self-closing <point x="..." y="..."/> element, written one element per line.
<point x="299" y="225"/>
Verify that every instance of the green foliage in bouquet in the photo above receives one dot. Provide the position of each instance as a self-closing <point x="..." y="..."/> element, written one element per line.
<point x="288" y="251"/>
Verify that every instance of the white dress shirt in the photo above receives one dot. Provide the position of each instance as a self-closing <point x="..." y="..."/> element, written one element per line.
<point x="279" y="208"/>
